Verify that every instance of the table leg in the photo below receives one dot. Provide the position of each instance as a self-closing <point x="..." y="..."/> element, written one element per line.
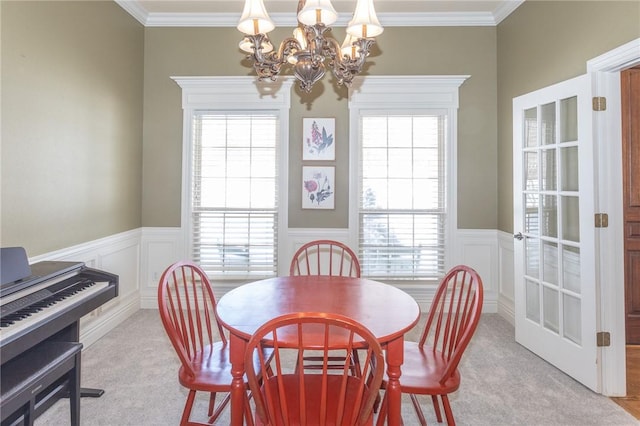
<point x="236" y="353"/>
<point x="395" y="358"/>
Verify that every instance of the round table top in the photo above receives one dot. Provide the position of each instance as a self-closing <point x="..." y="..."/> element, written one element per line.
<point x="386" y="311"/>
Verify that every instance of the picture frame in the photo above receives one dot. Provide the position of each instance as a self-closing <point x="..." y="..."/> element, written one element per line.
<point x="318" y="187"/>
<point x="318" y="139"/>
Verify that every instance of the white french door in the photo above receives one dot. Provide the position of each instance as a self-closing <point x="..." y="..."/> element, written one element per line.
<point x="555" y="263"/>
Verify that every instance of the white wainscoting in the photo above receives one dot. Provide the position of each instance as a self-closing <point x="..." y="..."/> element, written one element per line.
<point x="490" y="252"/>
<point x="478" y="248"/>
<point x="118" y="254"/>
<point x="140" y="256"/>
<point x="161" y="247"/>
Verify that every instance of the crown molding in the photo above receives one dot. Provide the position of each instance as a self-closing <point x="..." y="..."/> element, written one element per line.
<point x="505" y="9"/>
<point x="134" y="9"/>
<point x="422" y="19"/>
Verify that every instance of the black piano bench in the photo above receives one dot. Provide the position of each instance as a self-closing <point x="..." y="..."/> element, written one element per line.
<point x="31" y="382"/>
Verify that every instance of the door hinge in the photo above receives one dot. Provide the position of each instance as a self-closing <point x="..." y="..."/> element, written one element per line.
<point x="603" y="338"/>
<point x="599" y="103"/>
<point x="602" y="220"/>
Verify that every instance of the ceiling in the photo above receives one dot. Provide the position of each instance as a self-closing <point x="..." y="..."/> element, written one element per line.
<point x="225" y="13"/>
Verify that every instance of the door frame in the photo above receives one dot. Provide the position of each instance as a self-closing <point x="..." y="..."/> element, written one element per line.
<point x="607" y="138"/>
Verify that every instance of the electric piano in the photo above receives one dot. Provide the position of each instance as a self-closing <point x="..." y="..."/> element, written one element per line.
<point x="40" y="310"/>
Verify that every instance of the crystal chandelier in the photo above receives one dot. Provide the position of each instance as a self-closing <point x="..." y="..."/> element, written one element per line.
<point x="310" y="46"/>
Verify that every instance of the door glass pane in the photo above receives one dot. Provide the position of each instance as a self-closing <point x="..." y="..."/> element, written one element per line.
<point x="550" y="309"/>
<point x="531" y="171"/>
<point x="531" y="127"/>
<point x="571" y="268"/>
<point x="532" y="256"/>
<point x="571" y="320"/>
<point x="570" y="218"/>
<point x="549" y="225"/>
<point x="569" y="168"/>
<point x="533" y="300"/>
<point x="550" y="262"/>
<point x="549" y="170"/>
<point x="531" y="216"/>
<point x="569" y="119"/>
<point x="548" y="124"/>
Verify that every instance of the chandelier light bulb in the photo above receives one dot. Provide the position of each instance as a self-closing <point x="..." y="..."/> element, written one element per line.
<point x="254" y="19"/>
<point x="299" y="35"/>
<point x="318" y="12"/>
<point x="348" y="49"/>
<point x="365" y="23"/>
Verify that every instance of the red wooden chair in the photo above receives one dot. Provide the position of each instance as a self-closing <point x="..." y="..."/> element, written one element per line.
<point x="431" y="365"/>
<point x="324" y="397"/>
<point x="187" y="309"/>
<point x="325" y="257"/>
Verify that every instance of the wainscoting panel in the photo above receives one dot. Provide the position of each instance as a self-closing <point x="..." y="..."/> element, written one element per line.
<point x="161" y="247"/>
<point x="118" y="254"/>
<point x="478" y="248"/>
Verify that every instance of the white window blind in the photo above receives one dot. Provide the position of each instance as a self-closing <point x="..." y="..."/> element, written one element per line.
<point x="235" y="193"/>
<point x="402" y="200"/>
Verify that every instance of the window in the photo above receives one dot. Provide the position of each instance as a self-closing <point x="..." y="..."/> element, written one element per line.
<point x="232" y="211"/>
<point x="402" y="210"/>
<point x="234" y="193"/>
<point x="403" y="154"/>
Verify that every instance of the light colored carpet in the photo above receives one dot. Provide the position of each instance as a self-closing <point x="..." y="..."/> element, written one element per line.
<point x="502" y="383"/>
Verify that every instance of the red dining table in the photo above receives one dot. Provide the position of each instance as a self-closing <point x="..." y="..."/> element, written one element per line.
<point x="386" y="311"/>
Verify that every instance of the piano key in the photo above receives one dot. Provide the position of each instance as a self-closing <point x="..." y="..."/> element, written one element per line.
<point x="18" y="326"/>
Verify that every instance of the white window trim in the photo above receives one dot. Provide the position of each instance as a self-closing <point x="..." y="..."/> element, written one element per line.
<point x="404" y="94"/>
<point x="228" y="94"/>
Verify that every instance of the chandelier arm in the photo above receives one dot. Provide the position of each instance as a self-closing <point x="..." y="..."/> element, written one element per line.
<point x="344" y="67"/>
<point x="269" y="65"/>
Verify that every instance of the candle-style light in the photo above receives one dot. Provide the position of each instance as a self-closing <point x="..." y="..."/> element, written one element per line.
<point x="311" y="46"/>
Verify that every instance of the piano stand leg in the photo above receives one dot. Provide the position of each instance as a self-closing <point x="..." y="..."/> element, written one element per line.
<point x="91" y="393"/>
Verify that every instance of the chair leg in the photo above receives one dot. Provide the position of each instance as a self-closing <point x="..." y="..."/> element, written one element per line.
<point x="436" y="407"/>
<point x="248" y="415"/>
<point x="416" y="407"/>
<point x="214" y="415"/>
<point x="186" y="413"/>
<point x="447" y="410"/>
<point x="212" y="403"/>
<point x="382" y="415"/>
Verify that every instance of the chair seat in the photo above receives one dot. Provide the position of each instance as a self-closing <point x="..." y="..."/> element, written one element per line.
<point x="313" y="395"/>
<point x="212" y="368"/>
<point x="422" y="370"/>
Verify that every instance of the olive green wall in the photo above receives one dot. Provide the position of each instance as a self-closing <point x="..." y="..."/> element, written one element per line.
<point x="433" y="51"/>
<point x="71" y="123"/>
<point x="92" y="122"/>
<point x="546" y="42"/>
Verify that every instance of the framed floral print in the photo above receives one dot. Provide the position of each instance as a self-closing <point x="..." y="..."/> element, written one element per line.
<point x="318" y="139"/>
<point x="318" y="187"/>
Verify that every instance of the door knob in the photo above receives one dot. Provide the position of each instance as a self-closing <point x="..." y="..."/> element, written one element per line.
<point x="518" y="236"/>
